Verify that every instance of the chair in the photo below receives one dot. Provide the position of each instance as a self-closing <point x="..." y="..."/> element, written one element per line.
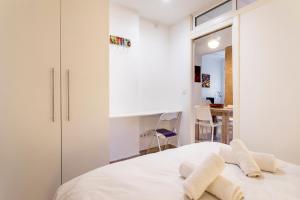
<point x="205" y="102"/>
<point x="230" y="127"/>
<point x="166" y="133"/>
<point x="203" y="118"/>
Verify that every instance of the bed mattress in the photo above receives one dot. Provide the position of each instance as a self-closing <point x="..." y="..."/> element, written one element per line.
<point x="156" y="176"/>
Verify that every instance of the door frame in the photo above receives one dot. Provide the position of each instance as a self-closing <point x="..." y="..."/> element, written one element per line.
<point x="228" y="20"/>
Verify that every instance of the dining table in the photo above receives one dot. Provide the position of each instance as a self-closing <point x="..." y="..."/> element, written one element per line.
<point x="226" y="113"/>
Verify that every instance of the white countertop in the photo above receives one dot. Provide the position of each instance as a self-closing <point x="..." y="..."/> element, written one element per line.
<point x="145" y="113"/>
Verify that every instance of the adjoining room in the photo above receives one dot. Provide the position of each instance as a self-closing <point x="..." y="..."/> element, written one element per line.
<point x="212" y="87"/>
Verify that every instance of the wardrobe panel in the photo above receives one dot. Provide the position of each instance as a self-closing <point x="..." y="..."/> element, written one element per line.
<point x="84" y="86"/>
<point x="30" y="153"/>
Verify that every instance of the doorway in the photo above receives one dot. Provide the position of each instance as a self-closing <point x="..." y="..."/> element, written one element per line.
<point x="213" y="85"/>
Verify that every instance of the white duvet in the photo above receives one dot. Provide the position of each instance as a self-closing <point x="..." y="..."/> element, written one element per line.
<point x="156" y="177"/>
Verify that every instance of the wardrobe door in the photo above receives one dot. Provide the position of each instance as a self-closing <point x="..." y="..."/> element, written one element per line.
<point x="30" y="136"/>
<point x="84" y="86"/>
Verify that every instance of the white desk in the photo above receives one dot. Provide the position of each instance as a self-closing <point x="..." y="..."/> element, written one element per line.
<point x="141" y="114"/>
<point x="125" y="130"/>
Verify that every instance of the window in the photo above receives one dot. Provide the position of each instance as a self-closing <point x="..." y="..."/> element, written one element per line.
<point x="214" y="12"/>
<point x="222" y="8"/>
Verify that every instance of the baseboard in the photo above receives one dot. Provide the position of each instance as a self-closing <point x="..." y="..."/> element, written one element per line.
<point x="119" y="160"/>
<point x="144" y="152"/>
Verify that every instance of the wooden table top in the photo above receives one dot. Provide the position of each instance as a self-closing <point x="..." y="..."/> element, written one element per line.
<point x="220" y="111"/>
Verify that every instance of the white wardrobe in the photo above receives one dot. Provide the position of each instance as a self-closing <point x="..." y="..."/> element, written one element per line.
<point x="53" y="94"/>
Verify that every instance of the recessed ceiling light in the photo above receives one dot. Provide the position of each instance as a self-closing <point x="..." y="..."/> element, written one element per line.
<point x="166" y="1"/>
<point x="214" y="43"/>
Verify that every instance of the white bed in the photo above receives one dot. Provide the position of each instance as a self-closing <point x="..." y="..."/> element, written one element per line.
<point x="156" y="176"/>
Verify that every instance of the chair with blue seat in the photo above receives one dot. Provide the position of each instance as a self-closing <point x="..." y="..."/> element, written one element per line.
<point x="161" y="132"/>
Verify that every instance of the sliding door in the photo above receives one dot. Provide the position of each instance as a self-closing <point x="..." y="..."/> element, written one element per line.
<point x="84" y="86"/>
<point x="30" y="159"/>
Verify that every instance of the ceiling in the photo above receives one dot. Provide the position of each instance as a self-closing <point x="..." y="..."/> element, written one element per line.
<point x="225" y="39"/>
<point x="167" y="12"/>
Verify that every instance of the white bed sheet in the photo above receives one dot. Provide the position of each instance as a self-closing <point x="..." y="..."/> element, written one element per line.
<point x="156" y="176"/>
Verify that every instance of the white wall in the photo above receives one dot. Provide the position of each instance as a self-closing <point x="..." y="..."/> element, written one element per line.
<point x="142" y="78"/>
<point x="124" y="137"/>
<point x="214" y="66"/>
<point x="180" y="58"/>
<point x="157" y="80"/>
<point x="124" y="62"/>
<point x="124" y="79"/>
<point x="270" y="84"/>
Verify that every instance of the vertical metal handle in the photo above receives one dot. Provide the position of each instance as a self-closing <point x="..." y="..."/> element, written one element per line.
<point x="53" y="94"/>
<point x="68" y="95"/>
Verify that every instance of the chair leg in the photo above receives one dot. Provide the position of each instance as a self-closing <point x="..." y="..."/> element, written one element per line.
<point x="207" y="132"/>
<point x="158" y="143"/>
<point x="212" y="133"/>
<point x="178" y="142"/>
<point x="150" y="143"/>
<point x="166" y="143"/>
<point x="199" y="132"/>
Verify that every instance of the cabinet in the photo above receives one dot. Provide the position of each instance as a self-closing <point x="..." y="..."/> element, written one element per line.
<point x="54" y="94"/>
<point x="84" y="40"/>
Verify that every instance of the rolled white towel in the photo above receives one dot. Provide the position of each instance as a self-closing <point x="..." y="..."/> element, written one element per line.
<point x="221" y="187"/>
<point x="224" y="189"/>
<point x="227" y="154"/>
<point x="266" y="162"/>
<point x="244" y="159"/>
<point x="202" y="176"/>
<point x="186" y="168"/>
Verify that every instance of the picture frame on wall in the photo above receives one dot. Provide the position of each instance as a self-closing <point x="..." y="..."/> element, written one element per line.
<point x="205" y="80"/>
<point x="197" y="73"/>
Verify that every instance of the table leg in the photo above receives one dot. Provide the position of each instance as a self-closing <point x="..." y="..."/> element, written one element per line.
<point x="197" y="132"/>
<point x="215" y="130"/>
<point x="225" y="120"/>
